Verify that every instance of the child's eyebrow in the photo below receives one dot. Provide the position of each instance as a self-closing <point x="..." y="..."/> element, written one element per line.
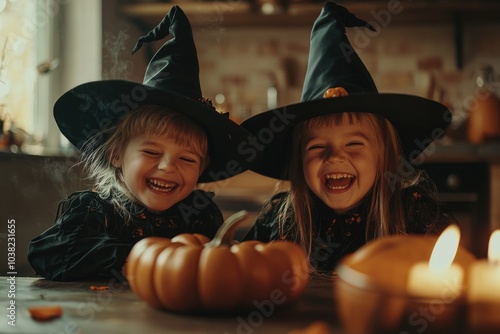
<point x="358" y="134"/>
<point x="348" y="134"/>
<point x="188" y="149"/>
<point x="150" y="142"/>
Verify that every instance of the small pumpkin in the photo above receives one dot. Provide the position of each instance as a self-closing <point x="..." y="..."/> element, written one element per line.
<point x="190" y="273"/>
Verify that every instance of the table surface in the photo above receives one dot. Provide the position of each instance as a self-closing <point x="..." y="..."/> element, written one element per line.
<point x="119" y="310"/>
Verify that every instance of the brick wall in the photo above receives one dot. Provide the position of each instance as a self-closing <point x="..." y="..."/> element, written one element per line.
<point x="420" y="60"/>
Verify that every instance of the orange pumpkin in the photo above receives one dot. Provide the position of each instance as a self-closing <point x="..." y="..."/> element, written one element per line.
<point x="190" y="273"/>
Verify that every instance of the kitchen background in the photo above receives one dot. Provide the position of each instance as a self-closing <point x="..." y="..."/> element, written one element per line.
<point x="250" y="61"/>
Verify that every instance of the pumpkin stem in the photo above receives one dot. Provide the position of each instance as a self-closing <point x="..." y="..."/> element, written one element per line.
<point x="225" y="233"/>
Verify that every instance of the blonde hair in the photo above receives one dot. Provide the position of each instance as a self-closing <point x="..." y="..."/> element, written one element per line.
<point x="386" y="211"/>
<point x="148" y="120"/>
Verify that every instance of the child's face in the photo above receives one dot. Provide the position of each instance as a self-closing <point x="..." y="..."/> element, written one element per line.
<point x="160" y="172"/>
<point x="340" y="163"/>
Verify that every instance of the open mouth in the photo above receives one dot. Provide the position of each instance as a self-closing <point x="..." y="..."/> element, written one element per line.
<point x="339" y="181"/>
<point x="161" y="186"/>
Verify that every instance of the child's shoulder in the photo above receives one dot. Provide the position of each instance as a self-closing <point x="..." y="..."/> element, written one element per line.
<point x="84" y="200"/>
<point x="273" y="206"/>
<point x="277" y="199"/>
<point x="425" y="213"/>
<point x="83" y="196"/>
<point x="423" y="191"/>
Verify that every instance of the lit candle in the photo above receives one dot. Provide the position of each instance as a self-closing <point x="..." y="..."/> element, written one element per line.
<point x="485" y="274"/>
<point x="484" y="290"/>
<point x="438" y="278"/>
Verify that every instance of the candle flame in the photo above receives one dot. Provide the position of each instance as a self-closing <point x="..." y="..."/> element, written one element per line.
<point x="445" y="249"/>
<point x="494" y="247"/>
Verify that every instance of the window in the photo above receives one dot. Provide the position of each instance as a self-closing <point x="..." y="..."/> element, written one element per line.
<point x="46" y="48"/>
<point x="17" y="60"/>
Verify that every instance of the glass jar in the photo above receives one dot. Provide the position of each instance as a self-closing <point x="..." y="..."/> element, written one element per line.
<point x="484" y="114"/>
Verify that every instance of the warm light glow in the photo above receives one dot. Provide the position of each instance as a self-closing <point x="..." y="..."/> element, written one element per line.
<point x="445" y="249"/>
<point x="18" y="78"/>
<point x="494" y="247"/>
<point x="268" y="8"/>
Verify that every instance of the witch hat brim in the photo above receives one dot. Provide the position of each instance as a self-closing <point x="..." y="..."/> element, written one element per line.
<point x="421" y="121"/>
<point x="334" y="63"/>
<point x="90" y="110"/>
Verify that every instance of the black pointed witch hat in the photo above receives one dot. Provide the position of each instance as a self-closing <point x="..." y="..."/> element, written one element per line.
<point x="335" y="70"/>
<point x="88" y="111"/>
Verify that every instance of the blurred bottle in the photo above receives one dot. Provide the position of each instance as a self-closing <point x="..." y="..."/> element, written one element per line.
<point x="272" y="93"/>
<point x="484" y="115"/>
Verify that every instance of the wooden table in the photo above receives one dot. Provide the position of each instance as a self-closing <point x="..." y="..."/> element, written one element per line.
<point x="119" y="310"/>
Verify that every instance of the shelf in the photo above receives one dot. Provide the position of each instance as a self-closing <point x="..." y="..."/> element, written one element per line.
<point x="303" y="13"/>
<point x="219" y="15"/>
<point x="462" y="152"/>
<point x="211" y="14"/>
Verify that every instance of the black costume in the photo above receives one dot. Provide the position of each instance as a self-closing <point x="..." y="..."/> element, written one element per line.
<point x="90" y="240"/>
<point x="336" y="235"/>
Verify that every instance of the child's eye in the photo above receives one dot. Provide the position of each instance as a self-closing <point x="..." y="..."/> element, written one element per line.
<point x="188" y="159"/>
<point x="355" y="144"/>
<point x="152" y="153"/>
<point x="315" y="147"/>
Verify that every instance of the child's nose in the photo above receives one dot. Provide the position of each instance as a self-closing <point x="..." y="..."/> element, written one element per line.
<point x="334" y="155"/>
<point x="166" y="163"/>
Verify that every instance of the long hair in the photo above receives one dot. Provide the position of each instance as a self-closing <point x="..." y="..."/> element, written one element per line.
<point x="386" y="213"/>
<point x="150" y="121"/>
